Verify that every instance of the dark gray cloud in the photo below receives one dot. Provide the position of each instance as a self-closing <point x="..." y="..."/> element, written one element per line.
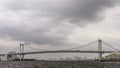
<point x="40" y="37"/>
<point x="52" y="12"/>
<point x="73" y="11"/>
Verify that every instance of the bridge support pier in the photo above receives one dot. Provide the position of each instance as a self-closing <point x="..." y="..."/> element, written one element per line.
<point x="100" y="48"/>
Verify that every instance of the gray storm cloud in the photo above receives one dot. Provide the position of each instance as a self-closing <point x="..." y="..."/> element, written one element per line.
<point x="42" y="37"/>
<point x="59" y="11"/>
<point x="73" y="11"/>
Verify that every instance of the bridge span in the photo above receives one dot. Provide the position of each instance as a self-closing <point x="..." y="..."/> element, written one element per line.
<point x="58" y="51"/>
<point x="99" y="51"/>
<point x="62" y="51"/>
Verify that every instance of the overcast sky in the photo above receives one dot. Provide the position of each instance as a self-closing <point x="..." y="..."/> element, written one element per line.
<point x="63" y="24"/>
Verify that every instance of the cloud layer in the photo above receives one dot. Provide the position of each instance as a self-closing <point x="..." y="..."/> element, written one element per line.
<point x="48" y="22"/>
<point x="73" y="11"/>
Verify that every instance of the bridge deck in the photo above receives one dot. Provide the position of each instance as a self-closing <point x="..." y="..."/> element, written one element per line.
<point x="63" y="51"/>
<point x="59" y="51"/>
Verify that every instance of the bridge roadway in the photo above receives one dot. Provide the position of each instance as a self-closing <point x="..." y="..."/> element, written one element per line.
<point x="58" y="51"/>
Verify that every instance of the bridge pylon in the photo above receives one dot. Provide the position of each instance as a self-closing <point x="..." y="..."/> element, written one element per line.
<point x="21" y="51"/>
<point x="100" y="48"/>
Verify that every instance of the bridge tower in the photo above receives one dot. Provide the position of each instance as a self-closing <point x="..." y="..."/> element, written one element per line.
<point x="21" y="51"/>
<point x="100" y="48"/>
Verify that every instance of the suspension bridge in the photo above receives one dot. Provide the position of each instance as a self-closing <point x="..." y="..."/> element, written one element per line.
<point x="99" y="50"/>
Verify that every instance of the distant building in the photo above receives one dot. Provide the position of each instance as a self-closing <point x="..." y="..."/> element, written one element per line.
<point x="113" y="55"/>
